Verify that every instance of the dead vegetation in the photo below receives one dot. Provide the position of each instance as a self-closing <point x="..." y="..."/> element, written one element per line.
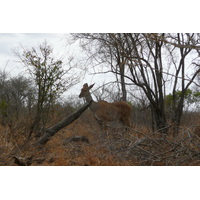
<point x="83" y="143"/>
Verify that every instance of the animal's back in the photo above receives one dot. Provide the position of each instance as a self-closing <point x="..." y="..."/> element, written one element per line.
<point x="123" y="107"/>
<point x="115" y="110"/>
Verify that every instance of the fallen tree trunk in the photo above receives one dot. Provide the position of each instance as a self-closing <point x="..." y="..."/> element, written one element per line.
<point x="68" y="120"/>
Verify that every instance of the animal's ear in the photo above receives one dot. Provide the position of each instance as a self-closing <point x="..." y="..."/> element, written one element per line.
<point x="91" y="86"/>
<point x="85" y="85"/>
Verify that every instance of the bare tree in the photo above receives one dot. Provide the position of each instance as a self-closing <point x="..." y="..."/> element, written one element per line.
<point x="105" y="49"/>
<point x="15" y="97"/>
<point x="185" y="45"/>
<point x="151" y="61"/>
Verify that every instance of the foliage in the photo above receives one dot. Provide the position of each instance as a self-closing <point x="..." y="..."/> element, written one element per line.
<point x="190" y="98"/>
<point x="3" y="111"/>
<point x="16" y="98"/>
<point x="49" y="78"/>
<point x="46" y="72"/>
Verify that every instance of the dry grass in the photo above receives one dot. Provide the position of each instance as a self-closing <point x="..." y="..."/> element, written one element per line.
<point x="117" y="147"/>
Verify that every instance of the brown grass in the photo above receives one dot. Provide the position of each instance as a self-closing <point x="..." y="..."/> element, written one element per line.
<point x="139" y="146"/>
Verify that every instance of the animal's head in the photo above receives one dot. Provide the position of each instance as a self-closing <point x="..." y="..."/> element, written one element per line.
<point x="85" y="91"/>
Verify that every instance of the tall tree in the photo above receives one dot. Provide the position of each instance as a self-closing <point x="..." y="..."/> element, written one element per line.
<point x="185" y="45"/>
<point x="49" y="78"/>
<point x="104" y="49"/>
<point x="149" y="61"/>
<point x="15" y="96"/>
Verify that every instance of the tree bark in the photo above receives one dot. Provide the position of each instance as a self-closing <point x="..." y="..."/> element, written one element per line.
<point x="123" y="86"/>
<point x="54" y="129"/>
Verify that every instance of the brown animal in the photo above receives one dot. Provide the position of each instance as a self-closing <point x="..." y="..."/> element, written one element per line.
<point x="105" y="112"/>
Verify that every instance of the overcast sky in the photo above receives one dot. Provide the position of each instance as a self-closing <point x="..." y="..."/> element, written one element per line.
<point x="11" y="41"/>
<point x="8" y="42"/>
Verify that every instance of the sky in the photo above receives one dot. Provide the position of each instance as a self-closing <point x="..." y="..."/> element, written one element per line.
<point x="13" y="41"/>
<point x="58" y="41"/>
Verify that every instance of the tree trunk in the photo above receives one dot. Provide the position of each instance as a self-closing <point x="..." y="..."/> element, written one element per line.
<point x="160" y="121"/>
<point x="123" y="86"/>
<point x="176" y="119"/>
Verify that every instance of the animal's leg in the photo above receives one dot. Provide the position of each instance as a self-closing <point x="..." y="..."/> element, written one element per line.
<point x="126" y="122"/>
<point x="103" y="127"/>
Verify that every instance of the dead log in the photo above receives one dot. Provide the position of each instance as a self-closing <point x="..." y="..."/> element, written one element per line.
<point x="68" y="120"/>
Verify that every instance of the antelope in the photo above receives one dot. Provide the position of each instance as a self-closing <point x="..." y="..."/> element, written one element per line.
<point x="105" y="112"/>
